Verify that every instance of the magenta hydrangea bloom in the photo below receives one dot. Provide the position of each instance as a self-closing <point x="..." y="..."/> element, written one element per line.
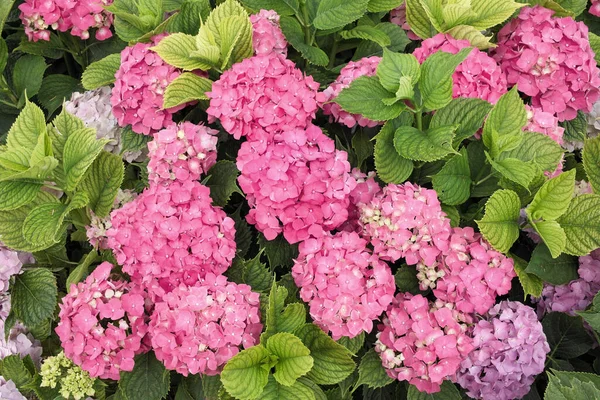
<point x="182" y="152"/>
<point x="172" y="232"/>
<point x="595" y="8"/>
<point x="406" y="221"/>
<point x="263" y="93"/>
<point x="103" y="323"/>
<point x="141" y="81"/>
<point x="550" y="59"/>
<point x="478" y="76"/>
<point x="544" y="122"/>
<point x="364" y="67"/>
<point x="344" y="283"/>
<point x="76" y="16"/>
<point x="197" y="329"/>
<point x="11" y="262"/>
<point x="267" y="36"/>
<point x="398" y="17"/>
<point x="510" y="350"/>
<point x="9" y="391"/>
<point x="296" y="182"/>
<point x="421" y="344"/>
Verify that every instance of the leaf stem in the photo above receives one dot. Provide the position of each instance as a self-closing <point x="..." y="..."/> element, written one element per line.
<point x="333" y="52"/>
<point x="479" y="182"/>
<point x="419" y="120"/>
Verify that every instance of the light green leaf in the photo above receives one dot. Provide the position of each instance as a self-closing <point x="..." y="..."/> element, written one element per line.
<point x="3" y="54"/>
<point x="553" y="235"/>
<point x="5" y="8"/>
<point x="453" y="182"/>
<point x="81" y="149"/>
<point x="398" y="38"/>
<point x="222" y="182"/>
<point x="489" y="14"/>
<point x="176" y="49"/>
<point x="80" y="272"/>
<point x="337" y="13"/>
<point x="573" y="389"/>
<point x="364" y="96"/>
<point x="33" y="296"/>
<point x="515" y="170"/>
<point x="236" y="39"/>
<point x="281" y="318"/>
<point x="500" y="223"/>
<point x="285" y="7"/>
<point x="553" y="198"/>
<point x="367" y="33"/>
<point x="295" y="36"/>
<point x="25" y="132"/>
<point x="65" y="124"/>
<point x="536" y="147"/>
<point x="581" y="223"/>
<point x="457" y="12"/>
<point x="371" y="371"/>
<point x="247" y="373"/>
<point x="293" y="357"/>
<point x="332" y="361"/>
<point x="591" y="162"/>
<point x="467" y="114"/>
<point x="43" y="223"/>
<point x="297" y="391"/>
<point x="433" y="9"/>
<point x="447" y="392"/>
<point x="432" y="145"/>
<point x="473" y="35"/>
<point x="595" y="45"/>
<point x="16" y="194"/>
<point x="149" y="380"/>
<point x="418" y="20"/>
<point x="185" y="88"/>
<point x="566" y="335"/>
<point x="507" y="118"/>
<point x="13" y="368"/>
<point x="257" y="275"/>
<point x="574" y="6"/>
<point x="532" y="285"/>
<point x="101" y="73"/>
<point x="557" y="271"/>
<point x="225" y="9"/>
<point x="102" y="182"/>
<point x="395" y="65"/>
<point x="383" y="5"/>
<point x="391" y="166"/>
<point x="28" y="74"/>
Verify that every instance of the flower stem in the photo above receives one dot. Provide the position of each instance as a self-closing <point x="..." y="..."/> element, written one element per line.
<point x="419" y="120"/>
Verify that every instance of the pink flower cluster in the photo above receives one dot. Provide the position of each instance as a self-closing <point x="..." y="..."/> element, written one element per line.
<point x="550" y="59"/>
<point x="406" y="221"/>
<point x="398" y="17"/>
<point x="344" y="283"/>
<point x="103" y="324"/>
<point x="182" y="152"/>
<point x="544" y="122"/>
<point x="197" y="329"/>
<point x="263" y="93"/>
<point x="267" y="36"/>
<point x="364" y="67"/>
<point x="510" y="350"/>
<point x="11" y="262"/>
<point x="172" y="232"/>
<point x="137" y="97"/>
<point x="421" y="344"/>
<point x="595" y="8"/>
<point x="295" y="181"/>
<point x="478" y="76"/>
<point x="76" y="16"/>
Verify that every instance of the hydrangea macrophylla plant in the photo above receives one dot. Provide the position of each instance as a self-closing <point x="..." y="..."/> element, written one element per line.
<point x="103" y="324"/>
<point x="345" y="285"/>
<point x="510" y="350"/>
<point x="549" y="59"/>
<point x="267" y="37"/>
<point x="198" y="328"/>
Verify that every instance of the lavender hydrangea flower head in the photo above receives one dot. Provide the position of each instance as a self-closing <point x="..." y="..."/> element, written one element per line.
<point x="9" y="391"/>
<point x="11" y="262"/>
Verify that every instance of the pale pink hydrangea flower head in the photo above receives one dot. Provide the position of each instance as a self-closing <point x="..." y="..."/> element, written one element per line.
<point x="345" y="285"/>
<point x="398" y="17"/>
<point x="11" y="262"/>
<point x="197" y="329"/>
<point x="545" y="123"/>
<point x="267" y="36"/>
<point x="478" y="76"/>
<point x="103" y="324"/>
<point x="510" y="350"/>
<point x="364" y="67"/>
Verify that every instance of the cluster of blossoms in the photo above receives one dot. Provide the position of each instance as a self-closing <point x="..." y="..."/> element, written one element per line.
<point x="141" y="81"/>
<point x="550" y="59"/>
<point x="9" y="391"/>
<point x="182" y="152"/>
<point x="578" y="294"/>
<point x="364" y="67"/>
<point x="421" y="343"/>
<point x="366" y="188"/>
<point x="478" y="76"/>
<point x="406" y="221"/>
<point x="197" y="329"/>
<point x="96" y="230"/>
<point x="78" y="17"/>
<point x="344" y="283"/>
<point x="11" y="263"/>
<point x="103" y="324"/>
<point x="544" y="122"/>
<point x="510" y="350"/>
<point x="70" y="378"/>
<point x="398" y="17"/>
<point x="267" y="36"/>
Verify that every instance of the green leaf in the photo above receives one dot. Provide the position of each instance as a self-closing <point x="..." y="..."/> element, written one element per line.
<point x="453" y="182"/>
<point x="566" y="377"/>
<point x="467" y="114"/>
<point x="14" y="369"/>
<point x="55" y="90"/>
<point x="3" y="54"/>
<point x="591" y="162"/>
<point x="473" y="35"/>
<point x="247" y="373"/>
<point x="293" y="357"/>
<point x="592" y="316"/>
<point x="282" y="7"/>
<point x="43" y="224"/>
<point x="225" y="9"/>
<point x="397" y="36"/>
<point x="81" y="271"/>
<point x="81" y="149"/>
<point x="176" y="49"/>
<point x="581" y="223"/>
<point x="576" y="129"/>
<point x="25" y="132"/>
<point x="33" y="296"/>
<point x="391" y="167"/>
<point x="279" y="252"/>
<point x="490" y="14"/>
<point x="500" y="224"/>
<point x="236" y="39"/>
<point x="383" y="5"/>
<point x="532" y="285"/>
<point x="418" y="20"/>
<point x="28" y="74"/>
<point x="281" y="318"/>
<point x="436" y="78"/>
<point x="536" y="147"/>
<point x="353" y="345"/>
<point x="507" y="118"/>
<point x="102" y="182"/>
<point x="566" y="335"/>
<point x="434" y="11"/>
<point x="297" y="391"/>
<point x="553" y="198"/>
<point x="574" y="6"/>
<point x="395" y="65"/>
<point x="132" y="142"/>
<point x="574" y="388"/>
<point x="16" y="194"/>
<point x="553" y="235"/>
<point x="101" y="73"/>
<point x="190" y="16"/>
<point x="595" y="45"/>
<point x="257" y="275"/>
<point x="371" y="371"/>
<point x="362" y="146"/>
<point x="295" y="36"/>
<point x="222" y="182"/>
<point x="5" y="8"/>
<point x="185" y="88"/>
<point x="406" y="279"/>
<point x="515" y="170"/>
<point x="364" y="96"/>
<point x="332" y="361"/>
<point x="337" y="13"/>
<point x="557" y="271"/>
<point x="149" y="380"/>
<point x="447" y="392"/>
<point x="432" y="145"/>
<point x="367" y="33"/>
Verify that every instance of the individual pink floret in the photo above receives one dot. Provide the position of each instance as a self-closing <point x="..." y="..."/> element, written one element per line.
<point x="267" y="36"/>
<point x="545" y="123"/>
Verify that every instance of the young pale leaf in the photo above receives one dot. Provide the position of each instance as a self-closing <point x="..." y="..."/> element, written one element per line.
<point x="235" y="33"/>
<point x="149" y="380"/>
<point x="507" y="117"/>
<point x="281" y="318"/>
<point x="176" y="49"/>
<point x="557" y="271"/>
<point x="282" y="7"/>
<point x="371" y="372"/>
<point x="101" y="73"/>
<point x="383" y="5"/>
<point x="298" y="391"/>
<point x="80" y="151"/>
<point x="418" y="20"/>
<point x="246" y="374"/>
<point x="367" y="33"/>
<point x="591" y="162"/>
<point x="226" y="9"/>
<point x="43" y="223"/>
<point x="435" y="13"/>
<point x="393" y="66"/>
<point x="364" y="96"/>
<point x="293" y="357"/>
<point x="500" y="223"/>
<point x="553" y="235"/>
<point x="102" y="182"/>
<point x="473" y="35"/>
<point x="432" y="145"/>
<point x="515" y="170"/>
<point x="453" y="182"/>
<point x="595" y="45"/>
<point x="293" y="32"/>
<point x="33" y="296"/>
<point x="16" y="194"/>
<point x="222" y="182"/>
<point x="553" y="198"/>
<point x="25" y="132"/>
<point x="337" y="13"/>
<point x="391" y="167"/>
<point x="538" y="148"/>
<point x="532" y="284"/>
<point x="185" y="88"/>
<point x="468" y="114"/>
<point x="489" y="14"/>
<point x="581" y="223"/>
<point x="566" y="335"/>
<point x="448" y="391"/>
<point x="575" y="389"/>
<point x="13" y="368"/>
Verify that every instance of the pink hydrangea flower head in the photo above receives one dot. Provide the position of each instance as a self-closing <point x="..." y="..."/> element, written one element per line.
<point x="364" y="67"/>
<point x="543" y="122"/>
<point x="197" y="329"/>
<point x="96" y="230"/>
<point x="103" y="324"/>
<point x="473" y="272"/>
<point x="11" y="262"/>
<point x="510" y="350"/>
<point x="138" y="94"/>
<point x="550" y="59"/>
<point x="595" y="8"/>
<point x="78" y="17"/>
<point x="263" y="93"/>
<point x="172" y="232"/>
<point x="366" y="188"/>
<point x="182" y="152"/>
<point x="478" y="76"/>
<point x="421" y="343"/>
<point x="398" y="17"/>
<point x="9" y="391"/>
<point x="344" y="283"/>
<point x="267" y="36"/>
<point x="406" y="221"/>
